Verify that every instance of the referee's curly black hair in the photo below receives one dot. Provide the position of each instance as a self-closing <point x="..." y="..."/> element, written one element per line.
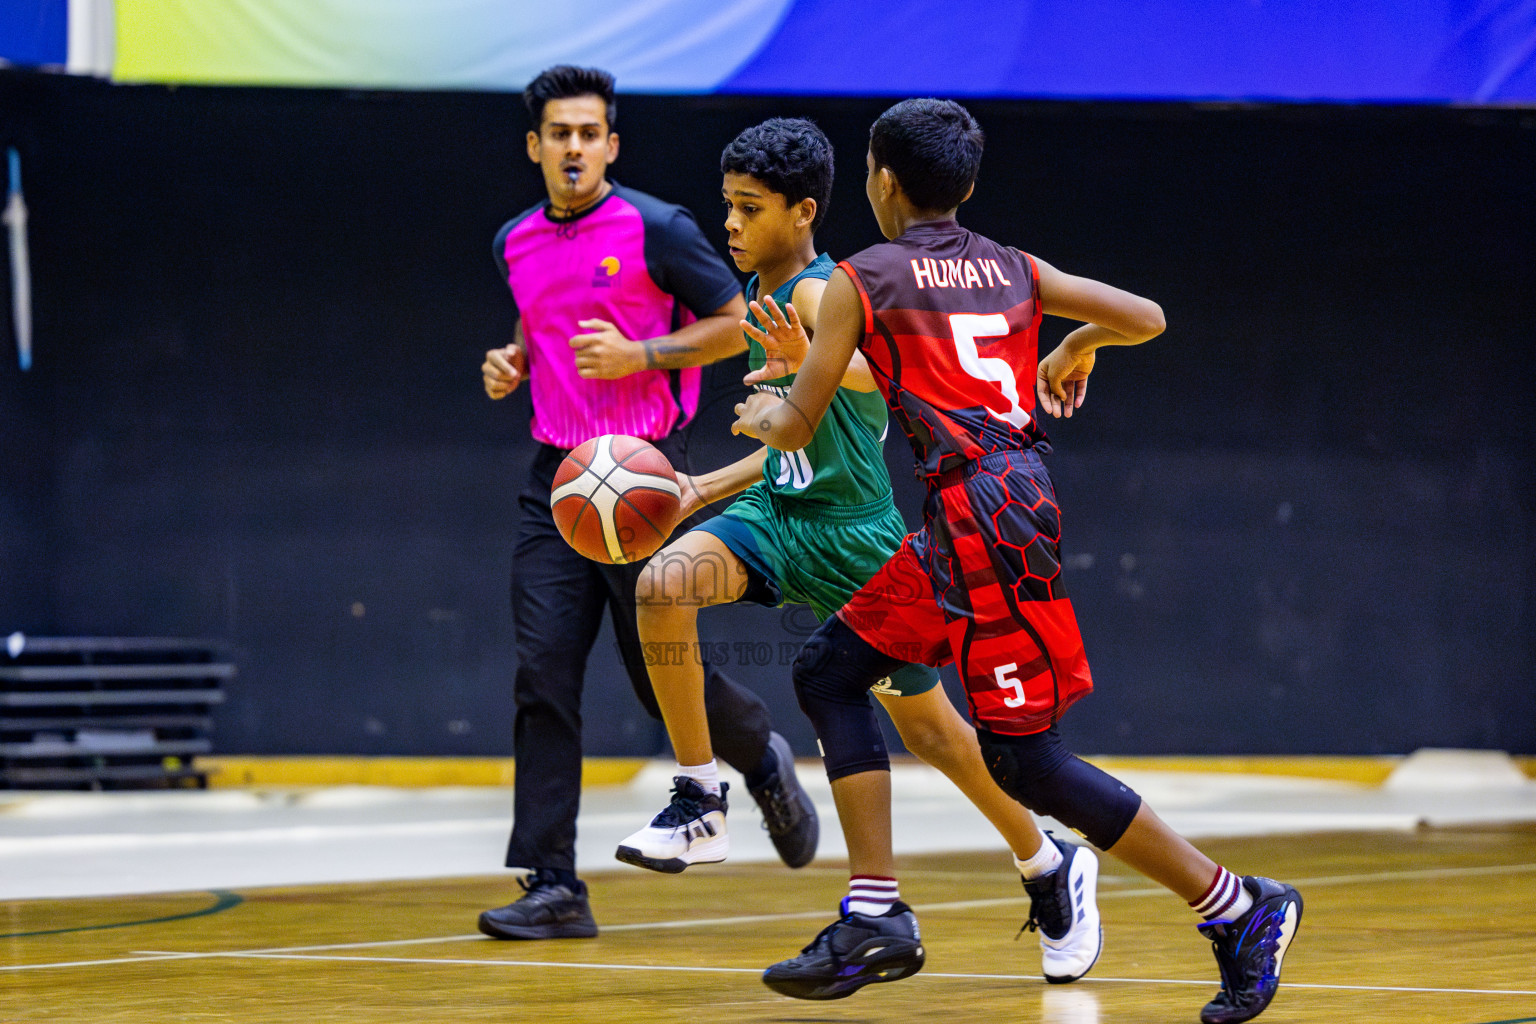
<point x="788" y="154"/>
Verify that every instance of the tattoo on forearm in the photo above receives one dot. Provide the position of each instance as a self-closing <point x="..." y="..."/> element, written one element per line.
<point x="665" y="354"/>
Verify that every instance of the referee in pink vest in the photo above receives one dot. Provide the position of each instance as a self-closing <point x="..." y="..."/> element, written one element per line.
<point x="620" y="300"/>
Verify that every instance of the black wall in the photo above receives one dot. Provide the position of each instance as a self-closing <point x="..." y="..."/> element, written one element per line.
<point x="1303" y="520"/>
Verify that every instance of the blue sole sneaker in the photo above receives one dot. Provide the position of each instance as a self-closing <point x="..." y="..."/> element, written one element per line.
<point x="851" y="952"/>
<point x="1251" y="950"/>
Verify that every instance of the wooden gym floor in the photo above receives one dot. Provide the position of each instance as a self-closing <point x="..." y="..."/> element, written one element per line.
<point x="1436" y="926"/>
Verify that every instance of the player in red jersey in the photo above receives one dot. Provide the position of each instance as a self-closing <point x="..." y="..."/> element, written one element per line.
<point x="947" y="320"/>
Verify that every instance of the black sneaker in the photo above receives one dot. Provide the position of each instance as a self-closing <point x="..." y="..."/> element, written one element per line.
<point x="547" y="910"/>
<point x="1249" y="951"/>
<point x="788" y="813"/>
<point x="1063" y="906"/>
<point x="850" y="953"/>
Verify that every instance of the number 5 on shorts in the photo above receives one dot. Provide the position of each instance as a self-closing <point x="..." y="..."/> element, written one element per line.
<point x="1007" y="682"/>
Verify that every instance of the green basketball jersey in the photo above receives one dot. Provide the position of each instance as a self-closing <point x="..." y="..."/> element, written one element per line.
<point x="843" y="464"/>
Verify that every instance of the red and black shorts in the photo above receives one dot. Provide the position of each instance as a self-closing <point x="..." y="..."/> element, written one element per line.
<point x="981" y="585"/>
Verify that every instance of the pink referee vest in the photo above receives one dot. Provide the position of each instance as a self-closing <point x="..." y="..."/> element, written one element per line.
<point x="595" y="267"/>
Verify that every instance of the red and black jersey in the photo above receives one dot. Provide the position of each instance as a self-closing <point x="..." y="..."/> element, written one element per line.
<point x="950" y="331"/>
<point x="951" y="320"/>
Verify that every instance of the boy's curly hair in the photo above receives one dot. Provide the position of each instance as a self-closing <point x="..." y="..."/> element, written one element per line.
<point x="788" y="154"/>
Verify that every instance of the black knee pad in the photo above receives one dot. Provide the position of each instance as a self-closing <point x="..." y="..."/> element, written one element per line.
<point x="1042" y="774"/>
<point x="832" y="675"/>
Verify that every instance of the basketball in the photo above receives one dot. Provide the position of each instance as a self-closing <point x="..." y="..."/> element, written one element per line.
<point x="615" y="499"/>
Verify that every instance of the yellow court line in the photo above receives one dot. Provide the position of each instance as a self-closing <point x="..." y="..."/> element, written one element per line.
<point x="1370" y="771"/>
<point x="241" y="771"/>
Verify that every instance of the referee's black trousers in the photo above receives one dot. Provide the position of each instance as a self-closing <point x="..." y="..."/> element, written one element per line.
<point x="558" y="598"/>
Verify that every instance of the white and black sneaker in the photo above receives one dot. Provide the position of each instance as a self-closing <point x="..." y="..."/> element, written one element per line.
<point x="1063" y="907"/>
<point x="689" y="830"/>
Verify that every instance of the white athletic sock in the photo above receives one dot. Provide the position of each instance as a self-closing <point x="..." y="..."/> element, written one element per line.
<point x="1046" y="859"/>
<point x="870" y="894"/>
<point x="1227" y="899"/>
<point x="706" y="775"/>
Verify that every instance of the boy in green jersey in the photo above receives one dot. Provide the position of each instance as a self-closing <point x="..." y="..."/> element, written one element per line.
<point x="811" y="527"/>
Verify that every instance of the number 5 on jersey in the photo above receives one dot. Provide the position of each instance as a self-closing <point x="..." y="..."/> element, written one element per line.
<point x="966" y="328"/>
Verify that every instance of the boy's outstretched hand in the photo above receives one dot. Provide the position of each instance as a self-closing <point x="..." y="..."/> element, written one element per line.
<point x="1061" y="383"/>
<point x="785" y="340"/>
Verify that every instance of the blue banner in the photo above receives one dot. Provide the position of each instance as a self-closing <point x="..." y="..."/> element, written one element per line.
<point x="1373" y="51"/>
<point x="1463" y="51"/>
<point x="34" y="33"/>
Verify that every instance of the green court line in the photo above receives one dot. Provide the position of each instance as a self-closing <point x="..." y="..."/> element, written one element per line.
<point x="1517" y="1020"/>
<point x="224" y="900"/>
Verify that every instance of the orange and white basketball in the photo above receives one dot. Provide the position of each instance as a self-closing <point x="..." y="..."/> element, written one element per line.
<point x="615" y="499"/>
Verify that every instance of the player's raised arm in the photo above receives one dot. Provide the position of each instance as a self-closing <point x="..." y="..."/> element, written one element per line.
<point x="1110" y="315"/>
<point x="808" y="295"/>
<point x="788" y="337"/>
<point x="786" y="340"/>
<point x="789" y="424"/>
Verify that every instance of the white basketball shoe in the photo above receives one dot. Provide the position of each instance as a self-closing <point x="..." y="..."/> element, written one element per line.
<point x="1063" y="906"/>
<point x="689" y="830"/>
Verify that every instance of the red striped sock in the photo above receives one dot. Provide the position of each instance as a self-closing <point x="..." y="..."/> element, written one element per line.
<point x="1225" y="900"/>
<point x="870" y="894"/>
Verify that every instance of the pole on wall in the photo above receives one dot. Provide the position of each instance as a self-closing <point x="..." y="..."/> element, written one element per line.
<point x="21" y="273"/>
